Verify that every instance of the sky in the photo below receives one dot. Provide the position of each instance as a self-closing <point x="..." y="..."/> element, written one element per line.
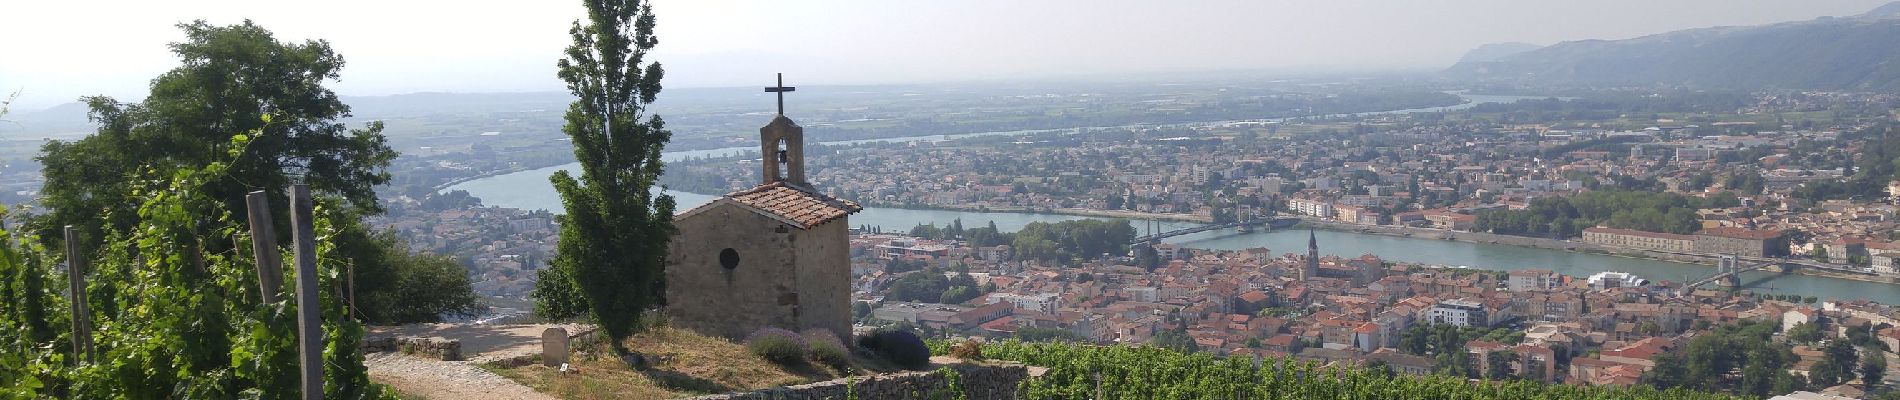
<point x="53" y="51"/>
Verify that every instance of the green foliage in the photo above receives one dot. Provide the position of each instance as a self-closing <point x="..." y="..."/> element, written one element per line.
<point x="1123" y="372"/>
<point x="615" y="234"/>
<point x="1709" y="362"/>
<point x="230" y="77"/>
<point x="1565" y="217"/>
<point x="1065" y="241"/>
<point x="1806" y="332"/>
<point x="1040" y="334"/>
<point x="394" y="286"/>
<point x="173" y="318"/>
<point x="1176" y="339"/>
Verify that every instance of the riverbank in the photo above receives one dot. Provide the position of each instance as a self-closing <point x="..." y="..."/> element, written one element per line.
<point x="1709" y="260"/>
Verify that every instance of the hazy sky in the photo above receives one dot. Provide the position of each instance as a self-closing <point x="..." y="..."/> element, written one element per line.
<point x="57" y="50"/>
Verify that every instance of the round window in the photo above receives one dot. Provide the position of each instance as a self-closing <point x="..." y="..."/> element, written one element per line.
<point x="729" y="258"/>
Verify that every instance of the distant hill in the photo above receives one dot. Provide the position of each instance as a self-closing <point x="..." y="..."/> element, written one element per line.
<point x="1829" y="53"/>
<point x="1495" y="51"/>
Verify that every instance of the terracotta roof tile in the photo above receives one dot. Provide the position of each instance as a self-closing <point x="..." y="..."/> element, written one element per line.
<point x="799" y="205"/>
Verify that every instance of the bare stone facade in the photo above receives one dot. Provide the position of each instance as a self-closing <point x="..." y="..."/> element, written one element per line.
<point x="775" y="255"/>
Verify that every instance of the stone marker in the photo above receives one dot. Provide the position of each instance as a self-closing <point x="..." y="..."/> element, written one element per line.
<point x="554" y="347"/>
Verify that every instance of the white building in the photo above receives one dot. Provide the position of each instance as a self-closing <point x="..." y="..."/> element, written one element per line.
<point x="1534" y="279"/>
<point x="1044" y="302"/>
<point x="1613" y="279"/>
<point x="1459" y="312"/>
<point x="1314" y="207"/>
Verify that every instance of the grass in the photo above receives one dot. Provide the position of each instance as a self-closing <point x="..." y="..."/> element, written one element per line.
<point x="686" y="364"/>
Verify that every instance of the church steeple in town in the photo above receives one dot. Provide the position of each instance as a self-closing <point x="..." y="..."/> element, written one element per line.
<point x="1311" y="269"/>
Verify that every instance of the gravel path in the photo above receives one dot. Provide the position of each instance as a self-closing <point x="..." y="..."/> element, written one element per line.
<point x="444" y="379"/>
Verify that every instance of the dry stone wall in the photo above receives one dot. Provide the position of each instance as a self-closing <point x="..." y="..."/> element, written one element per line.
<point x="977" y="382"/>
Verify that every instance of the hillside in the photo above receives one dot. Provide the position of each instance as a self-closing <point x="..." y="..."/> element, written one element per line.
<point x="1844" y="53"/>
<point x="1124" y="372"/>
<point x="1495" y="51"/>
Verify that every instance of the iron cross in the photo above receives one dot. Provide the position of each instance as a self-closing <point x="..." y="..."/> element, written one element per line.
<point x="781" y="89"/>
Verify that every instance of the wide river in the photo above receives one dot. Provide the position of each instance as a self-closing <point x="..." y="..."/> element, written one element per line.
<point x="530" y="190"/>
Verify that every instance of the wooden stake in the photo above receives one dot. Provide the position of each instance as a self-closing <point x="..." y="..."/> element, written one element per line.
<point x="309" y="323"/>
<point x="82" y="316"/>
<point x="270" y="265"/>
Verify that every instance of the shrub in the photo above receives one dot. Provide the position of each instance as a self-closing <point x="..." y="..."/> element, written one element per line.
<point x="827" y="349"/>
<point x="779" y="346"/>
<point x="968" y="350"/>
<point x="902" y="347"/>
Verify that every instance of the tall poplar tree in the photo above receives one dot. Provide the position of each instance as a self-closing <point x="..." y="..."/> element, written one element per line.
<point x="612" y="254"/>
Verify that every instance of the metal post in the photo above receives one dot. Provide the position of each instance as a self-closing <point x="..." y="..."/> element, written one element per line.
<point x="270" y="265"/>
<point x="82" y="315"/>
<point x="309" y="323"/>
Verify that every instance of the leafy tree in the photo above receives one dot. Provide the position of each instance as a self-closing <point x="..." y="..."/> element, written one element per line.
<point x="176" y="320"/>
<point x="1498" y="364"/>
<point x="413" y="287"/>
<point x="1668" y="373"/>
<point x="231" y="79"/>
<point x="615" y="233"/>
<point x="1176" y="339"/>
<point x="1873" y="366"/>
<point x="239" y="78"/>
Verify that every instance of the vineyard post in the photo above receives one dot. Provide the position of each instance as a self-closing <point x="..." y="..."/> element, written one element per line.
<point x="309" y="327"/>
<point x="82" y="316"/>
<point x="270" y="267"/>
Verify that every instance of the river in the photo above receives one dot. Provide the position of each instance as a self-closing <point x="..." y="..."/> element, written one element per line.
<point x="530" y="190"/>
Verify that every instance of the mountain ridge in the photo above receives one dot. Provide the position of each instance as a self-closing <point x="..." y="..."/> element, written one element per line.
<point x="1828" y="53"/>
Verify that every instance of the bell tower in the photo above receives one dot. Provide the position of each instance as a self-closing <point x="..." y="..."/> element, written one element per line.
<point x="782" y="143"/>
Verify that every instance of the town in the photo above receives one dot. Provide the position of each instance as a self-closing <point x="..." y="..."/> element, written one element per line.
<point x="1605" y="329"/>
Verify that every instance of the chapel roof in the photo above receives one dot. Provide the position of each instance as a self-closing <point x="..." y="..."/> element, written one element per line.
<point x="790" y="203"/>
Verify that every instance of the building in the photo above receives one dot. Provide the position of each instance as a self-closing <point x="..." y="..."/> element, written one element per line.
<point x="1449" y="220"/>
<point x="1459" y="312"/>
<point x="1636" y="239"/>
<point x="1845" y="249"/>
<point x="1883" y="263"/>
<point x="775" y="255"/>
<point x="1314" y="207"/>
<point x="1358" y="215"/>
<point x="1745" y="242"/>
<point x="1534" y="279"/>
<point x="908" y="248"/>
<point x="1046" y="303"/>
<point x="1613" y="279"/>
<point x="1310" y="268"/>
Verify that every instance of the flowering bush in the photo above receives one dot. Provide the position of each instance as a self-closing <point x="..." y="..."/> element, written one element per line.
<point x="779" y="346"/>
<point x="827" y="349"/>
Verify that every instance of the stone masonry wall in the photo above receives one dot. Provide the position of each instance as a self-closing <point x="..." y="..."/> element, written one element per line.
<point x="978" y="382"/>
<point x="428" y="347"/>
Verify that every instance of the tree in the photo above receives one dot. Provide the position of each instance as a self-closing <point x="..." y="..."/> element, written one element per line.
<point x="1498" y="364"/>
<point x="240" y="78"/>
<point x="411" y="288"/>
<point x="235" y="78"/>
<point x="615" y="234"/>
<point x="1873" y="366"/>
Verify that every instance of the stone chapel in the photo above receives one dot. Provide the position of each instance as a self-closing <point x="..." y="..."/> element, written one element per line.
<point x="774" y="255"/>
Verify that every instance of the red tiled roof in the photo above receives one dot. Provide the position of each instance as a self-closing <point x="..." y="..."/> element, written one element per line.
<point x="793" y="204"/>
